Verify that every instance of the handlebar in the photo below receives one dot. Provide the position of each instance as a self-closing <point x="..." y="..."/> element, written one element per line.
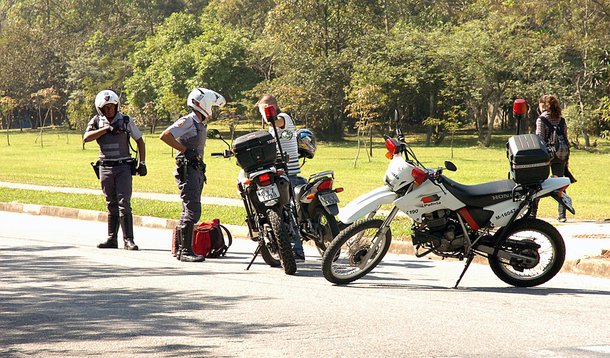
<point x="226" y="154"/>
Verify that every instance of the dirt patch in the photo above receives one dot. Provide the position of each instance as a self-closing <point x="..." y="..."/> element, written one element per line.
<point x="592" y="236"/>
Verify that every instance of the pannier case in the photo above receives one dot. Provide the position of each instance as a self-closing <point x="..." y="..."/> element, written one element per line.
<point x="529" y="159"/>
<point x="254" y="150"/>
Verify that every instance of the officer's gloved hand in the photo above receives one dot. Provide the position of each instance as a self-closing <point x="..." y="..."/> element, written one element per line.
<point x="142" y="169"/>
<point x="111" y="129"/>
<point x="190" y="154"/>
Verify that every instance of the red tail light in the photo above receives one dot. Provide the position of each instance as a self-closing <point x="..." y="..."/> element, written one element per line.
<point x="419" y="175"/>
<point x="264" y="179"/>
<point x="325" y="185"/>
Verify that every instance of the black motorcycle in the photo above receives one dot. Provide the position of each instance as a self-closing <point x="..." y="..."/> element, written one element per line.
<point x="316" y="209"/>
<point x="266" y="193"/>
<point x="311" y="217"/>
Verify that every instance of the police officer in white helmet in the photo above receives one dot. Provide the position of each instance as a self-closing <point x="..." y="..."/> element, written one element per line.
<point x="112" y="131"/>
<point x="187" y="135"/>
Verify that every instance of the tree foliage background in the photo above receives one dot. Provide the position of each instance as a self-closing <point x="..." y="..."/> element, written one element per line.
<point x="337" y="66"/>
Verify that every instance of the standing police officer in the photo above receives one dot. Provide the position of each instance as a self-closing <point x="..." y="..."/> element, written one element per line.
<point x="187" y="135"/>
<point x="111" y="129"/>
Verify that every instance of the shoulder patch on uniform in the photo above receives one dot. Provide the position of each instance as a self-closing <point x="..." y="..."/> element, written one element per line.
<point x="180" y="122"/>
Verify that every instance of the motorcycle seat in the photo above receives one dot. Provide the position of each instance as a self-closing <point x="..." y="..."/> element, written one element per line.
<point x="480" y="195"/>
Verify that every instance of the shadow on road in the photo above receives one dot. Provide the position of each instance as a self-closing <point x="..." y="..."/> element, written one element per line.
<point x="55" y="298"/>
<point x="533" y="291"/>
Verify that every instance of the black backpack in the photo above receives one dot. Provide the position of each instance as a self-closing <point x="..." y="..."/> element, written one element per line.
<point x="556" y="141"/>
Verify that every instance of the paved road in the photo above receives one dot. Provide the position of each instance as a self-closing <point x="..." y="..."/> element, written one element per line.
<point x="60" y="296"/>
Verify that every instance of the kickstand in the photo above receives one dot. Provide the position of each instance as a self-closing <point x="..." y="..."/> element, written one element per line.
<point x="468" y="262"/>
<point x="258" y="249"/>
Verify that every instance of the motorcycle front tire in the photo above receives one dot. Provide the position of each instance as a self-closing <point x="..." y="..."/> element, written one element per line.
<point x="338" y="257"/>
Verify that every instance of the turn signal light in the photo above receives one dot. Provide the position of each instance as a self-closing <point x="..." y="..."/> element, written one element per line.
<point x="390" y="145"/>
<point x="389" y="155"/>
<point x="338" y="190"/>
<point x="311" y="196"/>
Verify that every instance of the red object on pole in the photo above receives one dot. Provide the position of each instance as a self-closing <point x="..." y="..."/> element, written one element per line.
<point x="520" y="106"/>
<point x="270" y="113"/>
<point x="519" y="109"/>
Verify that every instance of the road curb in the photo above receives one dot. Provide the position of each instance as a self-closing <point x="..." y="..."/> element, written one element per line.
<point x="589" y="266"/>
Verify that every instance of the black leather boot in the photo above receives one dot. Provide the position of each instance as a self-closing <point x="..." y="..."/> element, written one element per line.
<point x="176" y="243"/>
<point x="127" y="227"/>
<point x="534" y="208"/>
<point x="113" y="231"/>
<point x="186" y="248"/>
<point x="561" y="214"/>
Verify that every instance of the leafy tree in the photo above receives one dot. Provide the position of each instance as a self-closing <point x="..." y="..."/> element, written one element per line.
<point x="185" y="53"/>
<point x="365" y="105"/>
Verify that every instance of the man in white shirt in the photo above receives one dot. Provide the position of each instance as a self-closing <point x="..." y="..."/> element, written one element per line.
<point x="286" y="132"/>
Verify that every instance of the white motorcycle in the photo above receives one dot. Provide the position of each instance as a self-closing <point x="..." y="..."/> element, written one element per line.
<point x="456" y="220"/>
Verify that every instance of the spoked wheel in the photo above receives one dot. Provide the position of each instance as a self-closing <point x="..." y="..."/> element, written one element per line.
<point x="326" y="229"/>
<point x="541" y="253"/>
<point x="282" y="240"/>
<point x="355" y="251"/>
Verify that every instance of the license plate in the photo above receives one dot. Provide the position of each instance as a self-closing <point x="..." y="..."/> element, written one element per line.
<point x="329" y="198"/>
<point x="267" y="193"/>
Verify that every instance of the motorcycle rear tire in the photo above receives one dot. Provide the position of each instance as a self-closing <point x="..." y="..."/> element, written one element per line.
<point x="332" y="256"/>
<point x="283" y="242"/>
<point x="507" y="273"/>
<point x="269" y="258"/>
<point x="331" y="227"/>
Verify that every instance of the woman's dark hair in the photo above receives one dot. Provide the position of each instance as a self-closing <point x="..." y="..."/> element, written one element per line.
<point x="550" y="104"/>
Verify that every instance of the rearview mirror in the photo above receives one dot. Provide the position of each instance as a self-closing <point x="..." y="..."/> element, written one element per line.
<point x="213" y="133"/>
<point x="450" y="166"/>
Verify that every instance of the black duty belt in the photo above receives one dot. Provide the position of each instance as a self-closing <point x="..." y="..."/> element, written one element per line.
<point x="115" y="163"/>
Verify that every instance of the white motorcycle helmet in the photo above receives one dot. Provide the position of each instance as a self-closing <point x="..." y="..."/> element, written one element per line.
<point x="202" y="100"/>
<point x="105" y="97"/>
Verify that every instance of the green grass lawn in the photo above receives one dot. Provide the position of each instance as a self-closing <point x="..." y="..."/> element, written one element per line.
<point x="63" y="162"/>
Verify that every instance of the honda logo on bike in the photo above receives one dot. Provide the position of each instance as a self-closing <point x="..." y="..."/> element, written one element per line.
<point x="501" y="196"/>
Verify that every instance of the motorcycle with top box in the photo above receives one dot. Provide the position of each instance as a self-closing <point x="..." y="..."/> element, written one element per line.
<point x="265" y="190"/>
<point x="456" y="220"/>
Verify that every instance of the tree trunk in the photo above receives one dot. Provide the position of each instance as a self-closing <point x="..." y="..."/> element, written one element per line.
<point x="8" y="127"/>
<point x="581" y="107"/>
<point x="358" y="151"/>
<point x="431" y="114"/>
<point x="370" y="143"/>
<point x="490" y="121"/>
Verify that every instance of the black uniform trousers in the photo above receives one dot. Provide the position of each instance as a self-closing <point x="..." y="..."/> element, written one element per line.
<point x="117" y="187"/>
<point x="190" y="193"/>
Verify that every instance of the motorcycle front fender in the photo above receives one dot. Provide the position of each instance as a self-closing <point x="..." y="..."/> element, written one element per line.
<point x="366" y="203"/>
